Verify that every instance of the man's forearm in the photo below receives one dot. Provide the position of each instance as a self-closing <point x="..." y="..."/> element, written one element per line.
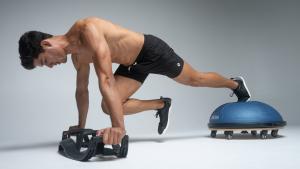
<point x="82" y="100"/>
<point x="114" y="105"/>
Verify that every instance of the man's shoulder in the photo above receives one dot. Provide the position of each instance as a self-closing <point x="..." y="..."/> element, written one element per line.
<point x="85" y="22"/>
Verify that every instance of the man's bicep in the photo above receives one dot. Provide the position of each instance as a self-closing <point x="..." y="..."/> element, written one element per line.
<point x="96" y="43"/>
<point x="103" y="68"/>
<point x="91" y="37"/>
<point x="102" y="61"/>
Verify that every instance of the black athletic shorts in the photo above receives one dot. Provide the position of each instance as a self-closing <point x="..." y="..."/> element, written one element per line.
<point x="155" y="57"/>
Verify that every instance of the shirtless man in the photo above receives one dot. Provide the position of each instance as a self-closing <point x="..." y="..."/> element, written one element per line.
<point x="97" y="41"/>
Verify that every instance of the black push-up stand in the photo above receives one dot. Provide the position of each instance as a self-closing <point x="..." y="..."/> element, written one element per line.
<point x="88" y="145"/>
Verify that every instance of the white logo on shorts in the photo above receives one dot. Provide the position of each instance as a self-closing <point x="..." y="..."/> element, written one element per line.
<point x="178" y="64"/>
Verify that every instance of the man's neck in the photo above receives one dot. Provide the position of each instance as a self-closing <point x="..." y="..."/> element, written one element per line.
<point x="63" y="42"/>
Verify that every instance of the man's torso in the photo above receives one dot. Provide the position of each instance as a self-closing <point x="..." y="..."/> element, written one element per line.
<point x="124" y="45"/>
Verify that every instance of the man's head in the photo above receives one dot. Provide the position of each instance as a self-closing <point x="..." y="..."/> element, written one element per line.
<point x="38" y="49"/>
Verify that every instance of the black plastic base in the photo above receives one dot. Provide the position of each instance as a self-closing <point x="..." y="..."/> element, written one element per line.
<point x="253" y="131"/>
<point x="87" y="145"/>
<point x="246" y="125"/>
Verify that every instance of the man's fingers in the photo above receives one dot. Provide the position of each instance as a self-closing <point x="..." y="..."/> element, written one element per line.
<point x="73" y="127"/>
<point x="111" y="136"/>
<point x="105" y="136"/>
<point x="116" y="140"/>
<point x="100" y="132"/>
<point x="120" y="136"/>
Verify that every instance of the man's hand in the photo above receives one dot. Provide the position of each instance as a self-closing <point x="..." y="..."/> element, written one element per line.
<point x="112" y="135"/>
<point x="74" y="127"/>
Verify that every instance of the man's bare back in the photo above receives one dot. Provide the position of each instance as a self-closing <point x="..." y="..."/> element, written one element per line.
<point x="124" y="44"/>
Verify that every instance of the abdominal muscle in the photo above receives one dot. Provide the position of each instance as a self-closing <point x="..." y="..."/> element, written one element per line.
<point x="124" y="44"/>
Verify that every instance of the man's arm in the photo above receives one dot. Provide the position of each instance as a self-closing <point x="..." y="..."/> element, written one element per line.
<point x="96" y="42"/>
<point x="82" y="94"/>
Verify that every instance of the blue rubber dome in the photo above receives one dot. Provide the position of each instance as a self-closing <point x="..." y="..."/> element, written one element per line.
<point x="251" y="114"/>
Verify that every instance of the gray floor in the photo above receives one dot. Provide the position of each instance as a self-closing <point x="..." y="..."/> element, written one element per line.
<point x="192" y="150"/>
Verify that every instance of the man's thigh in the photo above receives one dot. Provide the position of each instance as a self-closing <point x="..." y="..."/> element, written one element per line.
<point x="126" y="86"/>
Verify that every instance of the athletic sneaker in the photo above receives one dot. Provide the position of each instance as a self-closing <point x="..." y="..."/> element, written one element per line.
<point x="242" y="92"/>
<point x="163" y="114"/>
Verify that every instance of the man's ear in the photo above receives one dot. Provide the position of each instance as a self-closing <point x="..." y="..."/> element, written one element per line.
<point x="45" y="43"/>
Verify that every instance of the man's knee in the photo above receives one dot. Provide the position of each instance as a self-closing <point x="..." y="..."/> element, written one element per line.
<point x="105" y="109"/>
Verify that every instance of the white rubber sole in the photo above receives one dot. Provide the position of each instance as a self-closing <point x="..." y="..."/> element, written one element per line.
<point x="243" y="80"/>
<point x="170" y="110"/>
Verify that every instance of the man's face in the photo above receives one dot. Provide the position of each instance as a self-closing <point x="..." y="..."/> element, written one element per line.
<point x="50" y="57"/>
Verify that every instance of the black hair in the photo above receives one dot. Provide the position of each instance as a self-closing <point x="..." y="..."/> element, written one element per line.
<point x="30" y="47"/>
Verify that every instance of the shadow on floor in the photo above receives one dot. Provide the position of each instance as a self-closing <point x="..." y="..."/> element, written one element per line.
<point x="139" y="139"/>
<point x="131" y="140"/>
<point x="28" y="146"/>
<point x="163" y="139"/>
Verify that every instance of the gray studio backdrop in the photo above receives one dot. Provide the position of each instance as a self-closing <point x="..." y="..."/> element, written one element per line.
<point x="257" y="39"/>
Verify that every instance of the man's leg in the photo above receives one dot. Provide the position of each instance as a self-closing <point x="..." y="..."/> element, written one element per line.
<point x="132" y="106"/>
<point x="190" y="76"/>
<point x="127" y="87"/>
